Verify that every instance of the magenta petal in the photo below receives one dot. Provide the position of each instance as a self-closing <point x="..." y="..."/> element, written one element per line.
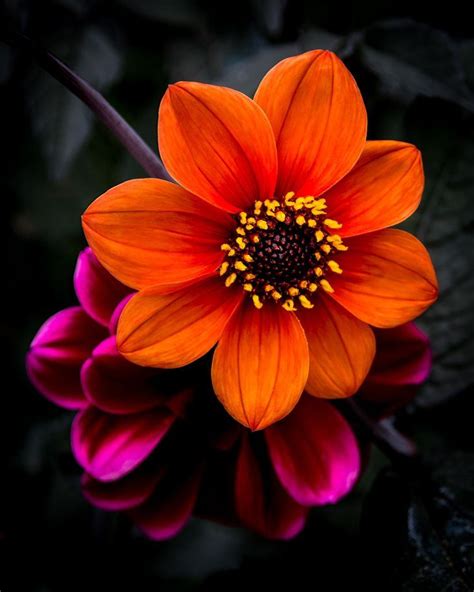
<point x="261" y="502"/>
<point x="115" y="385"/>
<point x="126" y="493"/>
<point x="57" y="353"/>
<point x="314" y="452"/>
<point x="167" y="512"/>
<point x="110" y="446"/>
<point x="114" y="319"/>
<point x="97" y="291"/>
<point x="403" y="356"/>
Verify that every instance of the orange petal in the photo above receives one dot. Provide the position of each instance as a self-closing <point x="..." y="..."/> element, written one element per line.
<point x="383" y="188"/>
<point x="173" y="329"/>
<point x="260" y="365"/>
<point x="319" y="120"/>
<point x="217" y="143"/>
<point x="341" y="350"/>
<point x="388" y="278"/>
<point x="148" y="231"/>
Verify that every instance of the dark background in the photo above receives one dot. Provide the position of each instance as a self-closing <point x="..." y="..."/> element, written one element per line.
<point x="402" y="528"/>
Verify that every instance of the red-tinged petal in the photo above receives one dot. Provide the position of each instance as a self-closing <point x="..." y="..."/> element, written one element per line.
<point x="314" y="453"/>
<point x="57" y="353"/>
<point x="218" y="144"/>
<point x="402" y="363"/>
<point x="174" y="329"/>
<point x="115" y="385"/>
<point x="388" y="278"/>
<point x="341" y="350"/>
<point x="126" y="493"/>
<point x="110" y="446"/>
<point x="167" y="512"/>
<point x="261" y="502"/>
<point x="319" y="120"/>
<point x="383" y="189"/>
<point x="148" y="231"/>
<point x="260" y="365"/>
<point x="98" y="292"/>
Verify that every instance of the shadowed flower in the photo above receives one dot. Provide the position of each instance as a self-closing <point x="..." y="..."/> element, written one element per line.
<point x="157" y="445"/>
<point x="275" y="244"/>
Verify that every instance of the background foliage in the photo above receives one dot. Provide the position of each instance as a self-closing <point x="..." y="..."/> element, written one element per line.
<point x="402" y="529"/>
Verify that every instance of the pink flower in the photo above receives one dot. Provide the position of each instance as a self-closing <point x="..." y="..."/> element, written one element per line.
<point x="157" y="444"/>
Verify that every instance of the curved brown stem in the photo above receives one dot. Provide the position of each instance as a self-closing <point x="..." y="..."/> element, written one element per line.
<point x="125" y="134"/>
<point x="382" y="433"/>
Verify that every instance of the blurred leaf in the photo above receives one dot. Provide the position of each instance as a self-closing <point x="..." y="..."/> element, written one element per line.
<point x="444" y="222"/>
<point x="59" y="120"/>
<point x="420" y="533"/>
<point x="173" y="12"/>
<point x="412" y="59"/>
<point x="270" y="14"/>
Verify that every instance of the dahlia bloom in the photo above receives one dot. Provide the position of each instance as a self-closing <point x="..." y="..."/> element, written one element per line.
<point x="274" y="242"/>
<point x="157" y="445"/>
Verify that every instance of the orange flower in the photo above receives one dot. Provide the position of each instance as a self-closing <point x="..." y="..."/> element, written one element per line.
<point x="273" y="245"/>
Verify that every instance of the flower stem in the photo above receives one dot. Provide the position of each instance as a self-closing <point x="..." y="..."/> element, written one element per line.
<point x="383" y="434"/>
<point x="125" y="134"/>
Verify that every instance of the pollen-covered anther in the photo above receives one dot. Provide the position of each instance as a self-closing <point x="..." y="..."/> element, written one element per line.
<point x="279" y="251"/>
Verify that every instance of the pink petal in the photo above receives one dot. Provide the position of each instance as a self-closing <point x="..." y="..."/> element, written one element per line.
<point x="261" y="503"/>
<point x="98" y="292"/>
<point x="57" y="353"/>
<point x="115" y="385"/>
<point x="110" y="446"/>
<point x="126" y="493"/>
<point x="314" y="453"/>
<point x="114" y="319"/>
<point x="403" y="361"/>
<point x="166" y="513"/>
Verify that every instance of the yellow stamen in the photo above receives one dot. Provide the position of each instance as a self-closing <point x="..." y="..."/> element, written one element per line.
<point x="289" y="305"/>
<point x="240" y="266"/>
<point x="304" y="284"/>
<point x="326" y="286"/>
<point x="247" y="258"/>
<point x="230" y="279"/>
<point x="340" y="247"/>
<point x="317" y="256"/>
<point x="262" y="224"/>
<point x="248" y="287"/>
<point x="225" y="247"/>
<point x="249" y="227"/>
<point x="258" y="205"/>
<point x="268" y="288"/>
<point x="256" y="301"/>
<point x="318" y="271"/>
<point x="334" y="266"/>
<point x="312" y="223"/>
<point x="240" y="230"/>
<point x="326" y="249"/>
<point x="305" y="303"/>
<point x="231" y="253"/>
<point x="280" y="216"/>
<point x="332" y="223"/>
<point x="243" y="217"/>
<point x="223" y="268"/>
<point x="240" y="241"/>
<point x="293" y="291"/>
<point x="319" y="235"/>
<point x="312" y="287"/>
<point x="276" y="295"/>
<point x="251" y="220"/>
<point x="300" y="220"/>
<point x="255" y="239"/>
<point x="250" y="276"/>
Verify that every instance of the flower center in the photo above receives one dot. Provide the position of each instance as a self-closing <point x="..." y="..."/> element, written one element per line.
<point x="282" y="251"/>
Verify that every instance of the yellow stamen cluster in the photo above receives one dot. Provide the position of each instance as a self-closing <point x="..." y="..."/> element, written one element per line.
<point x="282" y="251"/>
